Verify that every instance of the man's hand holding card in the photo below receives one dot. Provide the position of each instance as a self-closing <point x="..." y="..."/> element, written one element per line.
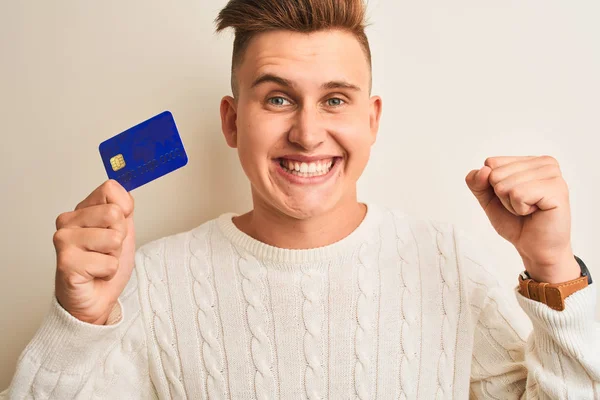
<point x="95" y="243"/>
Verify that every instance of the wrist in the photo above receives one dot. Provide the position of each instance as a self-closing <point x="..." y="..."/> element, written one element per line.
<point x="565" y="270"/>
<point x="553" y="288"/>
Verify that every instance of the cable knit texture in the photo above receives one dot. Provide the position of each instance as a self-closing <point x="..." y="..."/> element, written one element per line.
<point x="402" y="308"/>
<point x="253" y="276"/>
<point x="208" y="320"/>
<point x="366" y="313"/>
<point x="313" y="315"/>
<point x="161" y="323"/>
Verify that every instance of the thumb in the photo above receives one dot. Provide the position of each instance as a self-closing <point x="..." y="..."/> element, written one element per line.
<point x="504" y="221"/>
<point x="478" y="182"/>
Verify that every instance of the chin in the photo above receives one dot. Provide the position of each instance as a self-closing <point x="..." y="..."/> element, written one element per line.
<point x="307" y="208"/>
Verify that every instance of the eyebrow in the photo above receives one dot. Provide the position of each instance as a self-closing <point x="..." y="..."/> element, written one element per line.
<point x="340" y="85"/>
<point x="264" y="78"/>
<point x="289" y="84"/>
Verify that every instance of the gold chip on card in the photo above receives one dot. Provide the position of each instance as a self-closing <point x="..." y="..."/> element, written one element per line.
<point x="117" y="162"/>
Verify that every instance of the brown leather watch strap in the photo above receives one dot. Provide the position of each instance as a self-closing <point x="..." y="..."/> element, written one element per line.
<point x="553" y="295"/>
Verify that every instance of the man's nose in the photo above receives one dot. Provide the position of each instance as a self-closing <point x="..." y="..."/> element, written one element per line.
<point x="307" y="130"/>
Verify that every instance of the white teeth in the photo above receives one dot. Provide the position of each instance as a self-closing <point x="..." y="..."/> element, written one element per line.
<point x="307" y="169"/>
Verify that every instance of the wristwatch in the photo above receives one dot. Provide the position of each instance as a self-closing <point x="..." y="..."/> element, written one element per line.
<point x="554" y="295"/>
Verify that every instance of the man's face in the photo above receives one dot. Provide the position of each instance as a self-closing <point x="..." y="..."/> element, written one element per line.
<point x="304" y="121"/>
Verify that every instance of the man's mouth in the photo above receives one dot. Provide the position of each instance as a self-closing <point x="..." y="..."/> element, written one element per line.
<point x="307" y="169"/>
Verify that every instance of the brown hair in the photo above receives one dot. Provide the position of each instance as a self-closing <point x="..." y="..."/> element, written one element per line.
<point x="249" y="17"/>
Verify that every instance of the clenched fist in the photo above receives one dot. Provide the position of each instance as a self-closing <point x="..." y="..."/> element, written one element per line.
<point x="95" y="249"/>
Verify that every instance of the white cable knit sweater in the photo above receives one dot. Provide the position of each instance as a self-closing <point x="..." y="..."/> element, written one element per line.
<point x="401" y="308"/>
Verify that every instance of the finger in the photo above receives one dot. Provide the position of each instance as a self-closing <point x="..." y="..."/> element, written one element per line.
<point x="478" y="182"/>
<point x="546" y="171"/>
<point x="101" y="216"/>
<point x="505" y="200"/>
<point x="501" y="173"/>
<point x="100" y="240"/>
<point x="496" y="162"/>
<point x="110" y="192"/>
<point x="80" y="267"/>
<point x="545" y="195"/>
<point x="496" y="211"/>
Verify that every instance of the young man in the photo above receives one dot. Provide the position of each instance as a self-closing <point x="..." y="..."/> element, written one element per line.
<point x="313" y="294"/>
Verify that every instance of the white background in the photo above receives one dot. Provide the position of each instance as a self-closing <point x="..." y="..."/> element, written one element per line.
<point x="460" y="80"/>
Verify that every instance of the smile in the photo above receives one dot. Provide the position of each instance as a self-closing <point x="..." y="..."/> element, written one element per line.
<point x="307" y="169"/>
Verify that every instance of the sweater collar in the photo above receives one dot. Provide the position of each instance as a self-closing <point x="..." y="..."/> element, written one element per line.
<point x="340" y="249"/>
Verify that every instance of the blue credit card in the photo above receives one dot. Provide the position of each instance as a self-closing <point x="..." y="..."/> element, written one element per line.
<point x="144" y="152"/>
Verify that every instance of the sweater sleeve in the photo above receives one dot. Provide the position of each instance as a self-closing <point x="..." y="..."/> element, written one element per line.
<point x="559" y="358"/>
<point x="523" y="348"/>
<point x="68" y="358"/>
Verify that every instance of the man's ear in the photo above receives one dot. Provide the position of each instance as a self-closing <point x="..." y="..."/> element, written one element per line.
<point x="375" y="115"/>
<point x="228" y="120"/>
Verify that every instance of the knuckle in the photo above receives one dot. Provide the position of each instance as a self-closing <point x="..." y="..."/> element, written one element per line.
<point x="112" y="266"/>
<point x="65" y="260"/>
<point x="494" y="177"/>
<point x="556" y="169"/>
<point x="126" y="202"/>
<point x="113" y="213"/>
<point x="60" y="238"/>
<point x="115" y="239"/>
<point x="518" y="196"/>
<point x="129" y="204"/>
<point x="110" y="186"/>
<point x="61" y="220"/>
<point x="549" y="159"/>
<point x="551" y="170"/>
<point x="500" y="189"/>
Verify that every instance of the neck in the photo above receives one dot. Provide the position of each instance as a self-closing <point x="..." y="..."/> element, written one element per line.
<point x="277" y="229"/>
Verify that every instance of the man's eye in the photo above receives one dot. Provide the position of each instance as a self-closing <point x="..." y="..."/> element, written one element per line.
<point x="335" y="102"/>
<point x="278" y="101"/>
